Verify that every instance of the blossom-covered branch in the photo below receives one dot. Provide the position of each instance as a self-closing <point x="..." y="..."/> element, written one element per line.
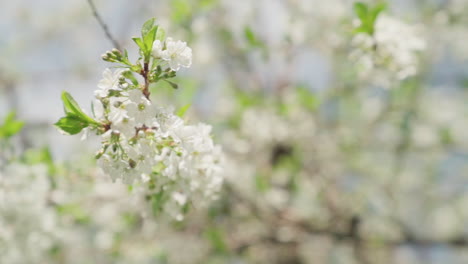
<point x="144" y="145"/>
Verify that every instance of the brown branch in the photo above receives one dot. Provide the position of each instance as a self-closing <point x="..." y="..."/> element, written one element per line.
<point x="350" y="234"/>
<point x="145" y="74"/>
<point x="103" y="25"/>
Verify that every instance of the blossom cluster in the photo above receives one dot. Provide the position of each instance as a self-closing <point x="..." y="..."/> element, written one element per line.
<point x="393" y="46"/>
<point x="150" y="144"/>
<point x="144" y="145"/>
<point x="24" y="196"/>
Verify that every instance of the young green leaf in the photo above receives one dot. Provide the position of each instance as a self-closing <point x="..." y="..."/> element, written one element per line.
<point x="160" y="34"/>
<point x="361" y="10"/>
<point x="71" y="124"/>
<point x="140" y="43"/>
<point x="251" y="38"/>
<point x="11" y="126"/>
<point x="379" y="8"/>
<point x="308" y="99"/>
<point x="181" y="112"/>
<point x="147" y="26"/>
<point x="367" y="16"/>
<point x="217" y="239"/>
<point x="71" y="107"/>
<point x="148" y="40"/>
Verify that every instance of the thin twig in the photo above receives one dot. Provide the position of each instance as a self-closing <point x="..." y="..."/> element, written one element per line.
<point x="103" y="25"/>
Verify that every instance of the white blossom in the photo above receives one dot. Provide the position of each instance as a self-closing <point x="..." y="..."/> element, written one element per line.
<point x="110" y="81"/>
<point x="176" y="53"/>
<point x="392" y="49"/>
<point x="153" y="149"/>
<point x="157" y="48"/>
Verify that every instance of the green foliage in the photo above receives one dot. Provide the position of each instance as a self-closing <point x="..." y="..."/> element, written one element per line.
<point x="40" y="156"/>
<point x="207" y="3"/>
<point x="71" y="107"/>
<point x="181" y="112"/>
<point x="245" y="99"/>
<point x="252" y="39"/>
<point x="181" y="10"/>
<point x="308" y="99"/>
<point x="36" y="156"/>
<point x="157" y="201"/>
<point x="367" y="16"/>
<point x="75" y="119"/>
<point x="262" y="182"/>
<point x="160" y="34"/>
<point x="217" y="239"/>
<point x="11" y="126"/>
<point x="75" y="211"/>
<point x="149" y="33"/>
<point x="72" y="125"/>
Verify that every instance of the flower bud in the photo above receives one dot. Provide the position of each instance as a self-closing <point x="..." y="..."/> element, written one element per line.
<point x="149" y="132"/>
<point x="131" y="163"/>
<point x="115" y="135"/>
<point x="99" y="153"/>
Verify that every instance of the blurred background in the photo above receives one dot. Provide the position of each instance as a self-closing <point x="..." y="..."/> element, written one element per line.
<point x="343" y="144"/>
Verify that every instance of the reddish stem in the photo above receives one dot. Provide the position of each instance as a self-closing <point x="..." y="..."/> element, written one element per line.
<point x="145" y="73"/>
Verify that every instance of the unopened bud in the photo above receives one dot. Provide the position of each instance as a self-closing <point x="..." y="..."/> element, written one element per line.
<point x="132" y="163"/>
<point x="99" y="154"/>
<point x="110" y="54"/>
<point x="115" y="135"/>
<point x="149" y="132"/>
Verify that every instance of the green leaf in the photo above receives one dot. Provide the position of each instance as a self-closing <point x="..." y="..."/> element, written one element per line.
<point x="261" y="183"/>
<point x="368" y="16"/>
<point x="160" y="34"/>
<point x="361" y="10"/>
<point x="207" y="3"/>
<point x="71" y="107"/>
<point x="71" y="124"/>
<point x="181" y="112"/>
<point x="379" y="8"/>
<point x="251" y="38"/>
<point x="139" y="42"/>
<point x="36" y="156"/>
<point x="148" y="35"/>
<point x="217" y="239"/>
<point x="157" y="201"/>
<point x="308" y="99"/>
<point x="147" y="26"/>
<point x="148" y="40"/>
<point x="74" y="210"/>
<point x="10" y="126"/>
<point x="181" y="10"/>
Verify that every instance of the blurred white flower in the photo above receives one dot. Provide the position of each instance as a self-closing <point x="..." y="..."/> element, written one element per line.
<point x="392" y="50"/>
